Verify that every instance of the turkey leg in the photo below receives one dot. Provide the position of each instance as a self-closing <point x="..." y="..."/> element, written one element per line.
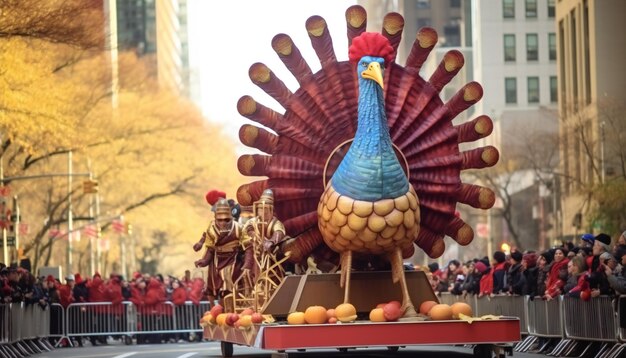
<point x="346" y="268"/>
<point x="397" y="272"/>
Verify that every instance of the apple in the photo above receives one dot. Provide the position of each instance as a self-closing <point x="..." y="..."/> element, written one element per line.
<point x="257" y="318"/>
<point x="392" y="311"/>
<point x="231" y="318"/>
<point x="216" y="310"/>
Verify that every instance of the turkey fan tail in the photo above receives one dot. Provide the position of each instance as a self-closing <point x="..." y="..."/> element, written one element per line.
<point x="431" y="243"/>
<point x="251" y="109"/>
<point x="476" y="196"/>
<point x="439" y="117"/>
<point x="303" y="245"/>
<point x="425" y="40"/>
<point x="320" y="40"/>
<point x="393" y="24"/>
<point x="464" y="99"/>
<point x="460" y="231"/>
<point x="480" y="158"/>
<point x="278" y="166"/>
<point x="263" y="77"/>
<point x="451" y="64"/>
<point x="270" y="143"/>
<point x="475" y="129"/>
<point x="356" y="20"/>
<point x="291" y="57"/>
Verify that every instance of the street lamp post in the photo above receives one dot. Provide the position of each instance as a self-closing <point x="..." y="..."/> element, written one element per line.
<point x="602" y="164"/>
<point x="70" y="223"/>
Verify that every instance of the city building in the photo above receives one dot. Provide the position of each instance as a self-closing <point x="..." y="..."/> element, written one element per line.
<point x="157" y="30"/>
<point x="591" y="92"/>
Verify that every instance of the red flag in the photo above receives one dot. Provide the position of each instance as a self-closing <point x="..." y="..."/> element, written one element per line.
<point x="90" y="231"/>
<point x="118" y="226"/>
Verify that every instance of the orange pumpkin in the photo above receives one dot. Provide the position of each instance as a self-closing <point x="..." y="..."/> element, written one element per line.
<point x="440" y="312"/>
<point x="461" y="307"/>
<point x="315" y="315"/>
<point x="296" y="318"/>
<point x="345" y="312"/>
<point x="377" y="315"/>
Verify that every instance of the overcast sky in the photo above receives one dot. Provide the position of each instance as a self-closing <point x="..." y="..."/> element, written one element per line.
<point x="226" y="37"/>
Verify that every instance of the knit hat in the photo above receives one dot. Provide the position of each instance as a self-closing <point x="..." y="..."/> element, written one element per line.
<point x="480" y="267"/>
<point x="531" y="260"/>
<point x="517" y="256"/>
<point x="79" y="279"/>
<point x="499" y="256"/>
<point x="50" y="278"/>
<point x="548" y="255"/>
<point x="603" y="238"/>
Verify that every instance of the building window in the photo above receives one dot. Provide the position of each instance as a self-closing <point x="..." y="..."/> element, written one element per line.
<point x="509" y="47"/>
<point x="552" y="46"/>
<point x="554" y="95"/>
<point x="551" y="11"/>
<point x="423" y="4"/>
<point x="508" y="9"/>
<point x="532" y="47"/>
<point x="533" y="89"/>
<point x="455" y="3"/>
<point x="423" y="22"/>
<point x="531" y="8"/>
<point x="510" y="85"/>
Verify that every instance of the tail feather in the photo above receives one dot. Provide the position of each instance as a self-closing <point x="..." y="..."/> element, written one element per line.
<point x="289" y="53"/>
<point x="356" y="20"/>
<point x="448" y="68"/>
<point x="321" y="40"/>
<point x="263" y="77"/>
<point x="424" y="43"/>
<point x="278" y="166"/>
<point x="393" y="24"/>
<point x="479" y="127"/>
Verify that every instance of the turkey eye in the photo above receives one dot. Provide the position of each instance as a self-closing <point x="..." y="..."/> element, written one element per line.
<point x="363" y="64"/>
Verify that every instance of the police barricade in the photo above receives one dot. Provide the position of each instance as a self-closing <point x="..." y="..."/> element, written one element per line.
<point x="544" y="317"/>
<point x="98" y="319"/>
<point x="503" y="305"/>
<point x="188" y="316"/>
<point x="592" y="320"/>
<point x="621" y="318"/>
<point x="5" y="324"/>
<point x="154" y="320"/>
<point x="57" y="323"/>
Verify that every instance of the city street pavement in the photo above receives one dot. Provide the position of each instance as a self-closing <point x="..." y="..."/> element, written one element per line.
<point x="212" y="349"/>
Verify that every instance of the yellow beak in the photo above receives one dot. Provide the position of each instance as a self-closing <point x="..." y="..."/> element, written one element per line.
<point x="374" y="73"/>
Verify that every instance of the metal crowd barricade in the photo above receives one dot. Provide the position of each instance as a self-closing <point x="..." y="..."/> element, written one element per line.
<point x="188" y="316"/>
<point x="17" y="319"/>
<point x="57" y="323"/>
<point x="592" y="320"/>
<point x="544" y="317"/>
<point x="97" y="319"/>
<point x="5" y="323"/>
<point x="152" y="319"/>
<point x="504" y="305"/>
<point x="621" y="318"/>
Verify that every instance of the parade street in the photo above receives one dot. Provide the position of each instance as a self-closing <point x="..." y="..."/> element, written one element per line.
<point x="212" y="349"/>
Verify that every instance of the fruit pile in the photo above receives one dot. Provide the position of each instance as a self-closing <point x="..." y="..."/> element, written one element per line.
<point x="344" y="313"/>
<point x="441" y="311"/>
<point x="243" y="320"/>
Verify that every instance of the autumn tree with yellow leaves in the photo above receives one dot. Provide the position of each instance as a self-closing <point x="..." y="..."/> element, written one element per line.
<point x="154" y="155"/>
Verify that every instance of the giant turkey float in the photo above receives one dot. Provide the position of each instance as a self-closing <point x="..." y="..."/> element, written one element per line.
<point x="362" y="168"/>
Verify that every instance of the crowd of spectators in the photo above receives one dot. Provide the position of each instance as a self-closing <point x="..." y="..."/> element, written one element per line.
<point x="592" y="268"/>
<point x="147" y="292"/>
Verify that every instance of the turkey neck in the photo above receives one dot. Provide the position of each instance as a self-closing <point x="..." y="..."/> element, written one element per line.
<point x="370" y="170"/>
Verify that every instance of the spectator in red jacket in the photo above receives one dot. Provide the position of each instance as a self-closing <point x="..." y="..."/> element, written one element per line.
<point x="179" y="293"/>
<point x="66" y="292"/>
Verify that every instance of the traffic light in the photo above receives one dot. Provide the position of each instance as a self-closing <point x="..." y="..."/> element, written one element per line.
<point x="90" y="186"/>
